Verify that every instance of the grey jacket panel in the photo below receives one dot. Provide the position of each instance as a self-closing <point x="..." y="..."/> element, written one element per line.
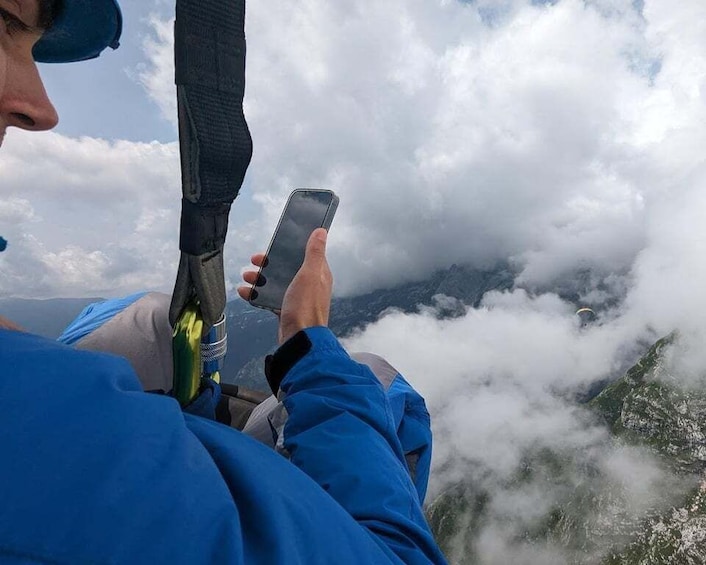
<point x="266" y="423"/>
<point x="385" y="372"/>
<point x="142" y="334"/>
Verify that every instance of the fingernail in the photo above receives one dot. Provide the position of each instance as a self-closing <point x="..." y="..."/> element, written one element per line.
<point x="321" y="235"/>
<point x="261" y="280"/>
<point x="253" y="294"/>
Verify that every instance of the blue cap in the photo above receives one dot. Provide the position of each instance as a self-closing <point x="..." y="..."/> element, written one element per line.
<point x="81" y="30"/>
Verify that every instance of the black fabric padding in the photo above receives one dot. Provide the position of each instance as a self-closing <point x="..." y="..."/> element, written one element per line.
<point x="229" y="389"/>
<point x="203" y="228"/>
<point x="215" y="142"/>
<point x="223" y="414"/>
<point x="211" y="51"/>
<point x="246" y="394"/>
<point x="200" y="276"/>
<point x="210" y="75"/>
<point x="236" y="404"/>
<point x="288" y="355"/>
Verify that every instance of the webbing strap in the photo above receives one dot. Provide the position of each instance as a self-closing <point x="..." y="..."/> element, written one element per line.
<point x="216" y="146"/>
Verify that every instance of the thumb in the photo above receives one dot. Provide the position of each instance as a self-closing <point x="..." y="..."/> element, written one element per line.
<point x="316" y="247"/>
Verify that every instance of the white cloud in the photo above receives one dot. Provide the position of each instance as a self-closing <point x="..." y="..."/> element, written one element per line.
<point x="157" y="73"/>
<point x="16" y="211"/>
<point x="456" y="143"/>
<point x="535" y="135"/>
<point x="450" y="140"/>
<point x="501" y="384"/>
<point x="454" y="132"/>
<point x="87" y="216"/>
<point x="634" y="206"/>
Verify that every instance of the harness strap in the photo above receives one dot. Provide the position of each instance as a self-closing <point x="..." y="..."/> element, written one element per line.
<point x="216" y="149"/>
<point x="215" y="142"/>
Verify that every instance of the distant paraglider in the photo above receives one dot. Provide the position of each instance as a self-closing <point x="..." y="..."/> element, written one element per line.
<point x="586" y="316"/>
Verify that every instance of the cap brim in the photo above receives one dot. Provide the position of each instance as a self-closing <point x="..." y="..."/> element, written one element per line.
<point x="81" y="30"/>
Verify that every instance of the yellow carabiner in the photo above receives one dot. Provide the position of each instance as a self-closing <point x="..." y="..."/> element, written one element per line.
<point x="186" y="349"/>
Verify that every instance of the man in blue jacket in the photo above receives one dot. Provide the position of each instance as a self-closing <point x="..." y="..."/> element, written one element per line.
<point x="94" y="470"/>
<point x="137" y="328"/>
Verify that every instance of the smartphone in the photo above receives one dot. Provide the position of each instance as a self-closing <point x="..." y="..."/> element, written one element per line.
<point x="306" y="210"/>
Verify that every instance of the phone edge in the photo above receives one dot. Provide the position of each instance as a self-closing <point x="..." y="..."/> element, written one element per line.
<point x="326" y="224"/>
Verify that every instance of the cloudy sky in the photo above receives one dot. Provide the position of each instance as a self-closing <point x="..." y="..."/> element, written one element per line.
<point x="564" y="137"/>
<point x="548" y="134"/>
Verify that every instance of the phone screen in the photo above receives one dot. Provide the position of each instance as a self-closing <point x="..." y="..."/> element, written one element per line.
<point x="306" y="210"/>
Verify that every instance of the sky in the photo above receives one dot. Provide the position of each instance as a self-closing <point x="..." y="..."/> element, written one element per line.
<point x="564" y="137"/>
<point x="453" y="133"/>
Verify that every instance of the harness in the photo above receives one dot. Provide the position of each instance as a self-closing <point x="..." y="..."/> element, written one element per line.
<point x="216" y="148"/>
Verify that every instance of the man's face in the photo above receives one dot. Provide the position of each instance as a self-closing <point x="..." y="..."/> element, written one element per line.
<point x="23" y="100"/>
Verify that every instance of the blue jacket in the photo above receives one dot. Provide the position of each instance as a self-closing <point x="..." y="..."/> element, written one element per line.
<point x="94" y="470"/>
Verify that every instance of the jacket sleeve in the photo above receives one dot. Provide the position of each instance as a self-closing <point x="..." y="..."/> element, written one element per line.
<point x="120" y="476"/>
<point x="341" y="433"/>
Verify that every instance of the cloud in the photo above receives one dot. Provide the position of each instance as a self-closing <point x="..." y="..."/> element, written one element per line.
<point x="501" y="383"/>
<point x="449" y="139"/>
<point x="458" y="132"/>
<point x="88" y="216"/>
<point x="458" y="143"/>
<point x="622" y="144"/>
<point x="156" y="73"/>
<point x="16" y="210"/>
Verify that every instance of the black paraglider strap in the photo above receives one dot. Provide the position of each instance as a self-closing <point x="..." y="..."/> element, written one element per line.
<point x="203" y="228"/>
<point x="215" y="143"/>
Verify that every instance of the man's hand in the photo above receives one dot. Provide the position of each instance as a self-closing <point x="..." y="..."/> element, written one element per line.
<point x="307" y="301"/>
<point x="6" y="324"/>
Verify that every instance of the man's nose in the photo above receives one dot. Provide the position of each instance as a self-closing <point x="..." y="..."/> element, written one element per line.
<point x="25" y="103"/>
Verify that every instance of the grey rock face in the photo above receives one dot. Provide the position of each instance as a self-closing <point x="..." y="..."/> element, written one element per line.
<point x="649" y="407"/>
<point x="592" y="520"/>
<point x="252" y="332"/>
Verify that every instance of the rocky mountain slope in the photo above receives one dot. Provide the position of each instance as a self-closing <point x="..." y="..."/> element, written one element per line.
<point x="593" y="518"/>
<point x="252" y="332"/>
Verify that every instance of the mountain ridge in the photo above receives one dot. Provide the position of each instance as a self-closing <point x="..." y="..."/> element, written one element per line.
<point x="592" y="522"/>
